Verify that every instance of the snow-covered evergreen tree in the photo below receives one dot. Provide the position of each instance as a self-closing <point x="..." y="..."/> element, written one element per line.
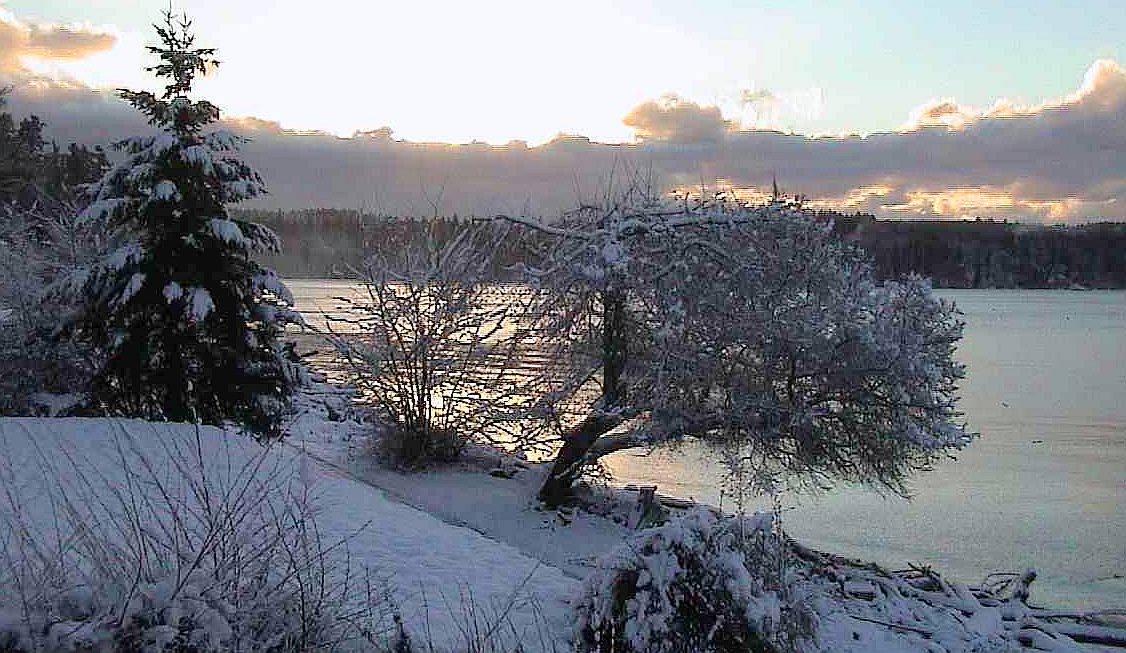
<point x="186" y="322"/>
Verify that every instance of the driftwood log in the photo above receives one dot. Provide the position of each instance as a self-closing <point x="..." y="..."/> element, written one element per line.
<point x="1035" y="628"/>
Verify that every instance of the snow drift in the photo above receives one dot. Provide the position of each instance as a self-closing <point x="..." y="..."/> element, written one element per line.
<point x="169" y="533"/>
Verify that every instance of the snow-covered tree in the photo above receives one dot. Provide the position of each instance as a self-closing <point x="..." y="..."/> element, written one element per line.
<point x="750" y="328"/>
<point x="40" y="240"/>
<point x="187" y="323"/>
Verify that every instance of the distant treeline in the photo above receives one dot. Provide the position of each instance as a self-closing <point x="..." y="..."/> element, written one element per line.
<point x="955" y="254"/>
<point x="991" y="254"/>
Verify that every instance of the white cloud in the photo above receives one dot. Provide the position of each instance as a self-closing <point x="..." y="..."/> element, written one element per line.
<point x="19" y="40"/>
<point x="774" y="110"/>
<point x="672" y="118"/>
<point x="1102" y="90"/>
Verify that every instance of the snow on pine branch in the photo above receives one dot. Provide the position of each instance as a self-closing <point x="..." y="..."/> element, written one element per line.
<point x="166" y="191"/>
<point x="228" y="231"/>
<point x="125" y="256"/>
<point x="172" y="292"/>
<point x="269" y="282"/>
<point x="94" y="278"/>
<point x="222" y="140"/>
<point x="213" y="154"/>
<point x="102" y="209"/>
<point x="199" y="155"/>
<point x="200" y="303"/>
<point x="136" y="282"/>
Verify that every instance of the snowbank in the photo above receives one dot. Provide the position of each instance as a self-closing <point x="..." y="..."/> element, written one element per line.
<point x="502" y="507"/>
<point x="441" y="577"/>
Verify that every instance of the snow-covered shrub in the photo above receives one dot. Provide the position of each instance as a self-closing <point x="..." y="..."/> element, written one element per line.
<point x="412" y="448"/>
<point x="697" y="583"/>
<point x="156" y="544"/>
<point x="710" y="583"/>
<point x="433" y="342"/>
<point x="37" y="244"/>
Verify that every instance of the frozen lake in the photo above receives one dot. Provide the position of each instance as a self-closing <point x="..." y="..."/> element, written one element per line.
<point x="1044" y="485"/>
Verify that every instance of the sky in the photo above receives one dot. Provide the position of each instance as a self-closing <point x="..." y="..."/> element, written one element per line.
<point x="891" y="93"/>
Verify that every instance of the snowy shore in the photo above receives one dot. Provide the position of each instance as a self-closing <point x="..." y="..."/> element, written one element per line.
<point x="463" y="545"/>
<point x="493" y="494"/>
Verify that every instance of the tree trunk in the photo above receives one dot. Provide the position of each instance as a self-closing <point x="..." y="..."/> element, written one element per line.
<point x="613" y="348"/>
<point x="556" y="489"/>
<point x="565" y="470"/>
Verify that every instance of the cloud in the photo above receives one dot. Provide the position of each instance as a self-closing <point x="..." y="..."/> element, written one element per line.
<point x="66" y="42"/>
<point x="672" y="118"/>
<point x="1103" y="90"/>
<point x="1061" y="160"/>
<point x="46" y="41"/>
<point x="1064" y="159"/>
<point x="763" y="109"/>
<point x="75" y="112"/>
<point x="940" y="113"/>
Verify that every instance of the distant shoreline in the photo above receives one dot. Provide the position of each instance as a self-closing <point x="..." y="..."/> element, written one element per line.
<point x="315" y="277"/>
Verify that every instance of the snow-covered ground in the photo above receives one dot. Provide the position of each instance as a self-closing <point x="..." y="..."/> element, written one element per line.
<point x="431" y="566"/>
<point x="494" y="495"/>
<point x="502" y="507"/>
<point x="459" y="545"/>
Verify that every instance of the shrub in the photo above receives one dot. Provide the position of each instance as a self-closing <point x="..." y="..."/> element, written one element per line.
<point x="698" y="583"/>
<point x="434" y="342"/>
<point x="412" y="448"/>
<point x="204" y="543"/>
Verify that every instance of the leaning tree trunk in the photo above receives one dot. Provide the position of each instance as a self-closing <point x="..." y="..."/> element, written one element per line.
<point x="556" y="489"/>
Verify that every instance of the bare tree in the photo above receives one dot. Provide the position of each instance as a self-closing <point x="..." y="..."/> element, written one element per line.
<point x="439" y="343"/>
<point x="751" y="328"/>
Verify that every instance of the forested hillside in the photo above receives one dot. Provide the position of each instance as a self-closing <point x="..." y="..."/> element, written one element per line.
<point x="988" y="254"/>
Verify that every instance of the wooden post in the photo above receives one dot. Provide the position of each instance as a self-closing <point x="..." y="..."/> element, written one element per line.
<point x="646" y="498"/>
